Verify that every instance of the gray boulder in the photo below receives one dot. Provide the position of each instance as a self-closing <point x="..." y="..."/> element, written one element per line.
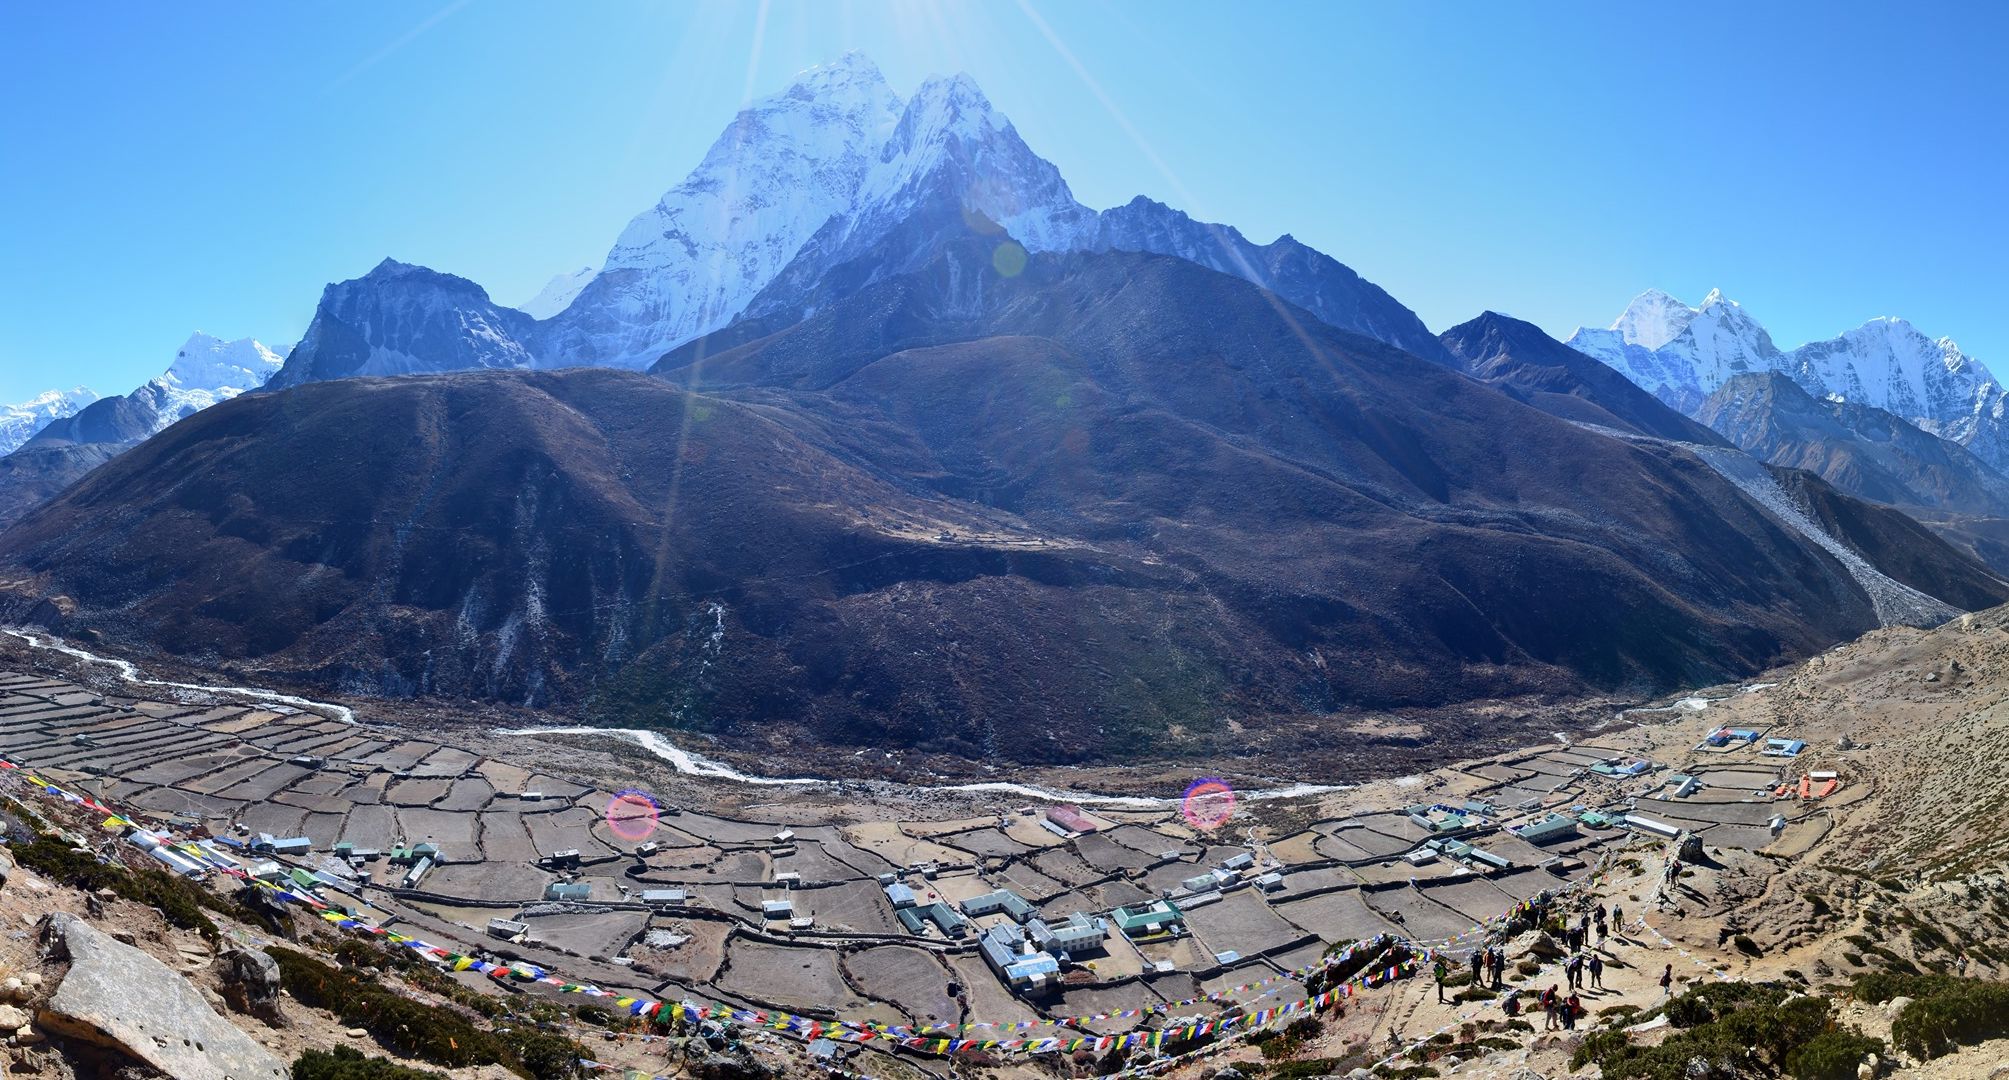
<point x="251" y="984"/>
<point x="117" y="997"/>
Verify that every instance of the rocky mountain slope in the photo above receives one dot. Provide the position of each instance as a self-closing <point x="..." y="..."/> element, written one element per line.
<point x="1532" y="367"/>
<point x="1861" y="449"/>
<point x="1684" y="354"/>
<point x="205" y="370"/>
<point x="401" y="319"/>
<point x="1064" y="514"/>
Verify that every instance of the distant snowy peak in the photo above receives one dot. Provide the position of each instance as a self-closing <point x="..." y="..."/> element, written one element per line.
<point x="206" y="370"/>
<point x="1684" y="354"/>
<point x="210" y="363"/>
<point x="19" y="422"/>
<point x="1653" y="319"/>
<point x="558" y="293"/>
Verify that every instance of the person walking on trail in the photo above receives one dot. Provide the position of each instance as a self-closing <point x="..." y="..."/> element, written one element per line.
<point x="1667" y="982"/>
<point x="1499" y="966"/>
<point x="1572" y="1009"/>
<point x="1600" y="933"/>
<point x="1478" y="965"/>
<point x="1441" y="972"/>
<point x="1617" y="919"/>
<point x="1597" y="971"/>
<point x="1549" y="1001"/>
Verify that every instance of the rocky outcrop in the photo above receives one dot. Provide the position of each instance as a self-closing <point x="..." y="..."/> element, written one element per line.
<point x="116" y="997"/>
<point x="251" y="984"/>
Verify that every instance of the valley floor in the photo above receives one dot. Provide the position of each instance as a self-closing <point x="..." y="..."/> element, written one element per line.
<point x="1900" y="865"/>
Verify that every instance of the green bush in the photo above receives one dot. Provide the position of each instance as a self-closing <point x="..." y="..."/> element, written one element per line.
<point x="1304" y="1027"/>
<point x="1746" y="946"/>
<point x="1732" y="1027"/>
<point x="1877" y="987"/>
<point x="1832" y="1055"/>
<point x="1710" y="1000"/>
<point x="1967" y="1012"/>
<point x="1599" y="1046"/>
<point x="343" y="1063"/>
<point x="417" y="1030"/>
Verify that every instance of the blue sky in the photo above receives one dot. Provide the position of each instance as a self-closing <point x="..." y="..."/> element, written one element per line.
<point x="172" y="168"/>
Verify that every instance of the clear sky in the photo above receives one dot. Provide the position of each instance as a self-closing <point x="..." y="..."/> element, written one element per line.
<point x="166" y="168"/>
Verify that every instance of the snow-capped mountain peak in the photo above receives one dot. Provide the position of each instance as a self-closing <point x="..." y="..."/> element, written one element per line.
<point x="784" y="166"/>
<point x="558" y="293"/>
<point x="835" y="170"/>
<point x="951" y="144"/>
<point x="206" y="363"/>
<point x="19" y="422"/>
<point x="206" y="370"/>
<point x="1683" y="354"/>
<point x="1653" y="319"/>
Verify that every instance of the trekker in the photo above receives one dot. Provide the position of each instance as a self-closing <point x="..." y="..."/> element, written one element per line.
<point x="1617" y="920"/>
<point x="1499" y="966"/>
<point x="1597" y="971"/>
<point x="1573" y="971"/>
<point x="1572" y="1009"/>
<point x="1667" y="982"/>
<point x="1441" y="971"/>
<point x="1478" y="965"/>
<point x="1549" y="1002"/>
<point x="1600" y="933"/>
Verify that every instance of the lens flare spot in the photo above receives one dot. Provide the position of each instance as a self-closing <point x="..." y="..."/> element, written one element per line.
<point x="1008" y="259"/>
<point x="632" y="815"/>
<point x="1208" y="804"/>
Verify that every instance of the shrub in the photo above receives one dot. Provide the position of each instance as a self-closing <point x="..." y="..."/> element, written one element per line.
<point x="1711" y="1000"/>
<point x="1746" y="946"/>
<point x="1734" y="1028"/>
<point x="344" y="1063"/>
<point x="1877" y="987"/>
<point x="1832" y="1055"/>
<point x="1304" y="1027"/>
<point x="1968" y="1012"/>
<point x="1599" y="1046"/>
<point x="417" y="1030"/>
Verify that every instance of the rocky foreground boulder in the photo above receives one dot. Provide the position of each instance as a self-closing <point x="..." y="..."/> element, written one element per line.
<point x="251" y="984"/>
<point x="117" y="997"/>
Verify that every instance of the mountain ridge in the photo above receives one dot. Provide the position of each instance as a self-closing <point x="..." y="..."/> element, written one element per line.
<point x="799" y="183"/>
<point x="1683" y="354"/>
